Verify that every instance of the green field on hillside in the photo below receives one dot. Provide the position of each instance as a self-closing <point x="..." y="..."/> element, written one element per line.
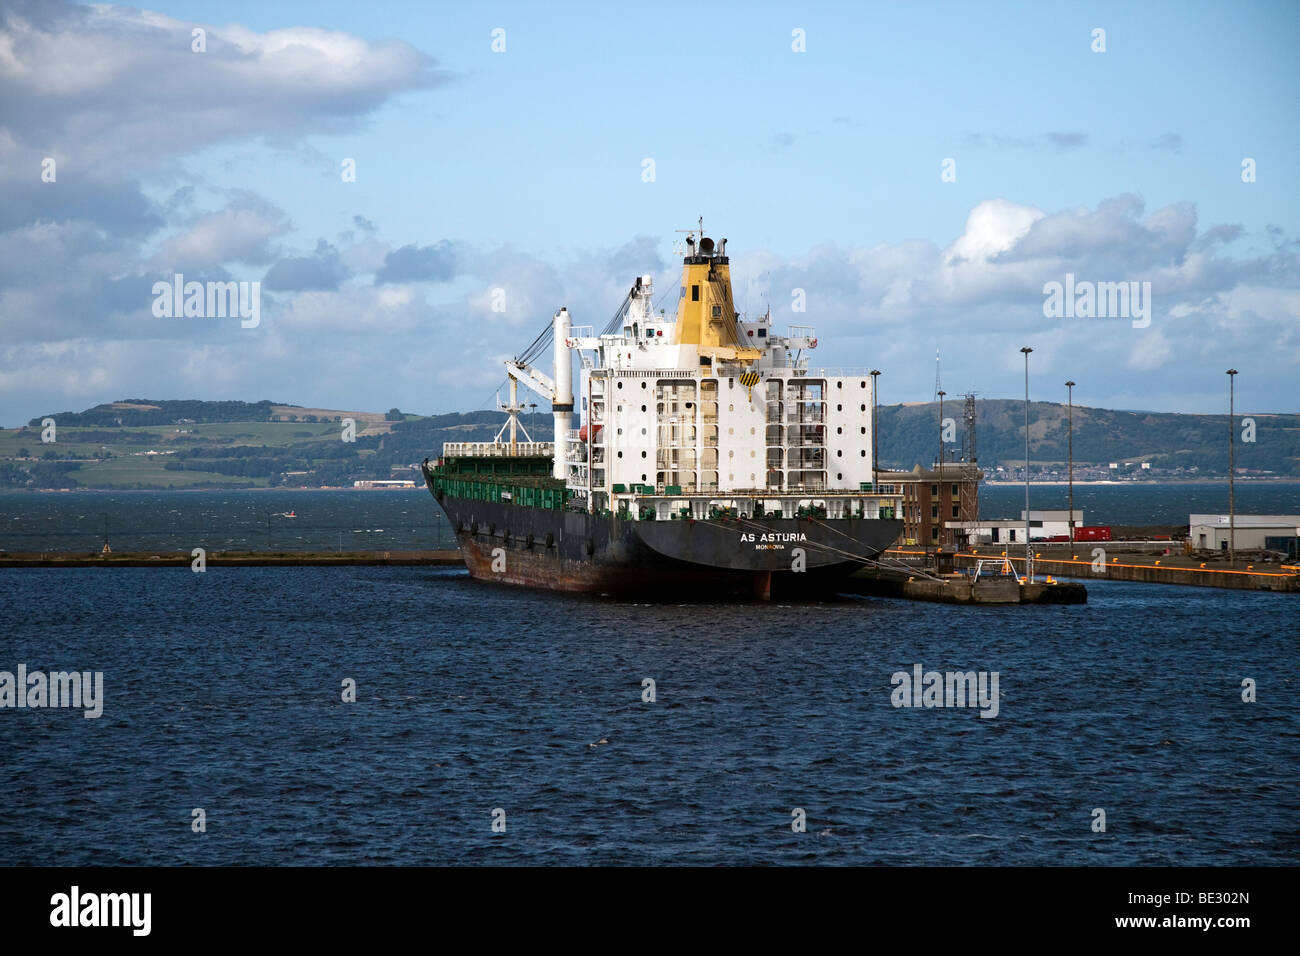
<point x="129" y="465"/>
<point x="150" y="471"/>
<point x="200" y="447"/>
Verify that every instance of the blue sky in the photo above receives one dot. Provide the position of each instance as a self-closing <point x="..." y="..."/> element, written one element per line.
<point x="542" y="145"/>
<point x="522" y="170"/>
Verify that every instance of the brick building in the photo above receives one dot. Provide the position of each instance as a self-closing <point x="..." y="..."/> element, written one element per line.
<point x="933" y="497"/>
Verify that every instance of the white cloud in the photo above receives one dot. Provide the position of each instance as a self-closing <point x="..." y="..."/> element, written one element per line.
<point x="229" y="235"/>
<point x="889" y="305"/>
<point x="993" y="227"/>
<point x="111" y="86"/>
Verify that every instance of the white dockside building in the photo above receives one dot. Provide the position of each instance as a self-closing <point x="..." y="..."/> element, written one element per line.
<point x="1253" y="532"/>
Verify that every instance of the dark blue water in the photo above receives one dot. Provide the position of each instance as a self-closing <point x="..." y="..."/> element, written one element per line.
<point x="382" y="520"/>
<point x="222" y="520"/>
<point x="223" y="692"/>
<point x="1141" y="503"/>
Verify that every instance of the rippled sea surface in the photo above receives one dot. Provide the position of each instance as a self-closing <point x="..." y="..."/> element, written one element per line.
<point x="332" y="520"/>
<point x="344" y="520"/>
<point x="223" y="691"/>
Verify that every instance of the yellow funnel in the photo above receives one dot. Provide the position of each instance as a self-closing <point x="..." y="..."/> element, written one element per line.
<point x="706" y="312"/>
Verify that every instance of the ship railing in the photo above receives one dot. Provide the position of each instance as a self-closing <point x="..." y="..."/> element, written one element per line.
<point x="488" y="449"/>
<point x="808" y="490"/>
<point x="655" y="373"/>
<point x="832" y="372"/>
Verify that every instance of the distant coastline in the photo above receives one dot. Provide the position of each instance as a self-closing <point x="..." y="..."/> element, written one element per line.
<point x="988" y="482"/>
<point x="1146" y="482"/>
<point x="202" y="488"/>
<point x="193" y="445"/>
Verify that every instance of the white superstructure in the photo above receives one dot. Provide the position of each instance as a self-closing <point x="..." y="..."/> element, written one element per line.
<point x="707" y="404"/>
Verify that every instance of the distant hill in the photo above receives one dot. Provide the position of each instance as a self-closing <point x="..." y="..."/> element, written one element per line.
<point x="1178" y="445"/>
<point x="139" y="443"/>
<point x="134" y="412"/>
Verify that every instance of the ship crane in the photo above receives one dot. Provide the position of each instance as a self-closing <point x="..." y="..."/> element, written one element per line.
<point x="558" y="390"/>
<point x="538" y="381"/>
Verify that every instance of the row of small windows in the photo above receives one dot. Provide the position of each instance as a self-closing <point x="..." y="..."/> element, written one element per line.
<point x="732" y="382"/>
<point x="731" y="407"/>
<point x="934" y="511"/>
<point x="934" y="491"/>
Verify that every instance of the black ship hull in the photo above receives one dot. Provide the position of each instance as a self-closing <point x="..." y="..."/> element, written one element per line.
<point x="604" y="554"/>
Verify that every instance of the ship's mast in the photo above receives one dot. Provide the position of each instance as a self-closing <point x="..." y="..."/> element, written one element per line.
<point x="512" y="409"/>
<point x="691" y="233"/>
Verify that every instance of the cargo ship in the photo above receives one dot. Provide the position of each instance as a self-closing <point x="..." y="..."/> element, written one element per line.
<point x="709" y="458"/>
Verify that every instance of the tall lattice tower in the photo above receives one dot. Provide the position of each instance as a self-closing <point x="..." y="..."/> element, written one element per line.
<point x="968" y="417"/>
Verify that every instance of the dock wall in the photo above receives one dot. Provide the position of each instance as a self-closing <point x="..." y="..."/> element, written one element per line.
<point x="1150" y="573"/>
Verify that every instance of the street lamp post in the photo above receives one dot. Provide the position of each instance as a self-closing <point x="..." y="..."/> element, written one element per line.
<point x="1029" y="551"/>
<point x="1232" y="470"/>
<point x="1070" y="465"/>
<point x="939" y="463"/>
